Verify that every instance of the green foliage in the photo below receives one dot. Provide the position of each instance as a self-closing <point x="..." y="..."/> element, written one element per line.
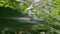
<point x="15" y="4"/>
<point x="52" y="19"/>
<point x="13" y="8"/>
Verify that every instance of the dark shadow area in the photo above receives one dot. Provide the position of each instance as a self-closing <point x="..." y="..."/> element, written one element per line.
<point x="9" y="12"/>
<point x="11" y="23"/>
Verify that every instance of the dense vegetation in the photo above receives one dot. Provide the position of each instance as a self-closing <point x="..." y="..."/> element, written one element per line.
<point x="47" y="11"/>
